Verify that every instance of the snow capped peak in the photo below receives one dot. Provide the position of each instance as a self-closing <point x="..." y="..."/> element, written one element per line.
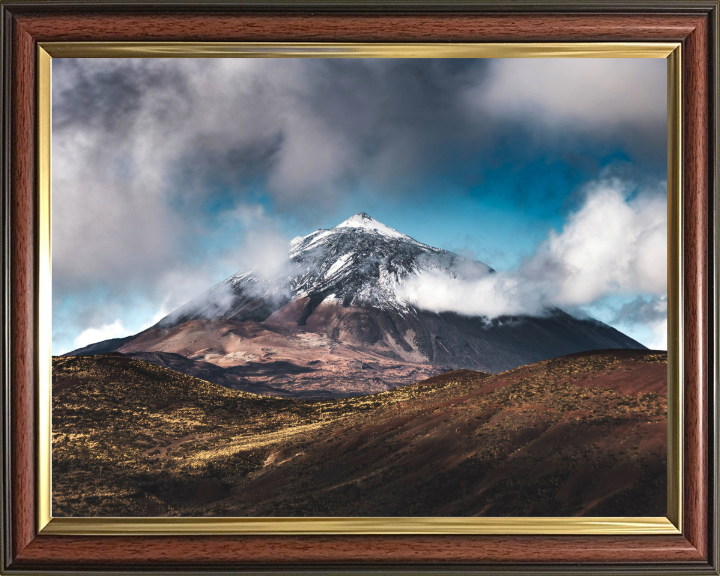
<point x="357" y="220"/>
<point x="357" y="230"/>
<point x="360" y="262"/>
<point x="363" y="220"/>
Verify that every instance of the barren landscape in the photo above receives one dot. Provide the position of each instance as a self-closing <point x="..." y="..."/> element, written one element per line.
<point x="583" y="434"/>
<point x="274" y="360"/>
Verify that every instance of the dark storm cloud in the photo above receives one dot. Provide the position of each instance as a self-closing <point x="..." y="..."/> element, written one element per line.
<point x="314" y="130"/>
<point x="106" y="96"/>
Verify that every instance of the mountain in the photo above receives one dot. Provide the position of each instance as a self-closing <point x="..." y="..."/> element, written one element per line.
<point x="102" y="347"/>
<point x="360" y="263"/>
<point x="333" y="322"/>
<point x="580" y="435"/>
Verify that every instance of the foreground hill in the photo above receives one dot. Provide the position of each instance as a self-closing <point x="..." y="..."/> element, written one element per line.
<point x="335" y="321"/>
<point x="578" y="435"/>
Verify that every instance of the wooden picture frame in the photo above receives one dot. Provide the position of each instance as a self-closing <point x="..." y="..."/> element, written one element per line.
<point x="27" y="25"/>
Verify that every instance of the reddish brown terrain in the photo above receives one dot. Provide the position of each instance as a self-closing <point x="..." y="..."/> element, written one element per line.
<point x="279" y="358"/>
<point x="583" y="434"/>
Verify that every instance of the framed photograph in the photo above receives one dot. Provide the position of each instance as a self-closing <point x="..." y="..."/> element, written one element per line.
<point x="359" y="287"/>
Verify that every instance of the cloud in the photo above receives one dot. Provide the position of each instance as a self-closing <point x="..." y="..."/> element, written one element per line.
<point x="263" y="247"/>
<point x="307" y="129"/>
<point x="651" y="312"/>
<point x="569" y="104"/>
<point x="615" y="244"/>
<point x="496" y="294"/>
<point x="115" y="329"/>
<point x="660" y="333"/>
<point x="642" y="309"/>
<point x="599" y="93"/>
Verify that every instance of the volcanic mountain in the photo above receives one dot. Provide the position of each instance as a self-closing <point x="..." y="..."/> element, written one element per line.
<point x="332" y="322"/>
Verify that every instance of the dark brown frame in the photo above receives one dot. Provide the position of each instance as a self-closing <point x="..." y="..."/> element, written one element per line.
<point x="694" y="23"/>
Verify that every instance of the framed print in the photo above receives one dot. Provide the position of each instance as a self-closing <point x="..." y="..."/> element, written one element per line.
<point x="359" y="287"/>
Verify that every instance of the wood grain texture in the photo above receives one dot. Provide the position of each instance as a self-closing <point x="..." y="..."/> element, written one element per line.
<point x="30" y="551"/>
<point x="22" y="259"/>
<point x="359" y="27"/>
<point x="220" y="551"/>
<point x="696" y="186"/>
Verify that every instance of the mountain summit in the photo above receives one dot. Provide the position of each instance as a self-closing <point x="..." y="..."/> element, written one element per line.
<point x="332" y="321"/>
<point x="365" y="221"/>
<point x="358" y="263"/>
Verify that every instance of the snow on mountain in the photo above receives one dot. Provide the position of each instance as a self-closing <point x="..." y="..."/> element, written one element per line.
<point x="365" y="221"/>
<point x="359" y="262"/>
<point x="362" y="262"/>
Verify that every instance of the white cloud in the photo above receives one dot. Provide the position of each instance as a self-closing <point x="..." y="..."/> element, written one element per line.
<point x="106" y="331"/>
<point x="660" y="335"/>
<point x="163" y="311"/>
<point x="615" y="244"/>
<point x="493" y="295"/>
<point x="115" y="329"/>
<point x="264" y="248"/>
<point x="601" y="93"/>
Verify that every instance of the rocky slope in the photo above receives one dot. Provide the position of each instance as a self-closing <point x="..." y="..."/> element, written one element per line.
<point x="583" y="434"/>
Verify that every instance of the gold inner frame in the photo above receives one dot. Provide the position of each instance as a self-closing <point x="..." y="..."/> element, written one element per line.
<point x="367" y="525"/>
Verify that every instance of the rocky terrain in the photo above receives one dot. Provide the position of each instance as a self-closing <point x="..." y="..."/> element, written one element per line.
<point x="333" y="322"/>
<point x="583" y="434"/>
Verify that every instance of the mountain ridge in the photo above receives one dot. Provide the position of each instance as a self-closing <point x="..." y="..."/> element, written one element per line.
<point x="335" y="305"/>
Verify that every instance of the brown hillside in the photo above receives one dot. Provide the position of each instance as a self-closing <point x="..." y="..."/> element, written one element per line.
<point x="579" y="435"/>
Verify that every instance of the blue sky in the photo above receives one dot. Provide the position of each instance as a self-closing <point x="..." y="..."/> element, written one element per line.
<point x="170" y="175"/>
